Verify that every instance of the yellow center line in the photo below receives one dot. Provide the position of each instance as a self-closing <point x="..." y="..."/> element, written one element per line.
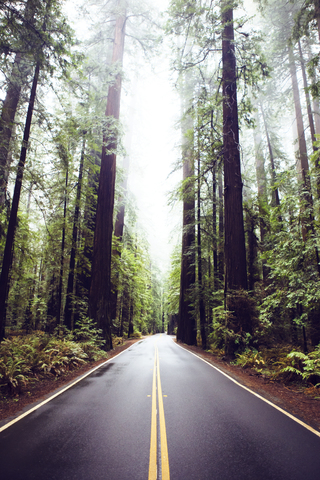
<point x="153" y="440"/>
<point x="163" y="435"/>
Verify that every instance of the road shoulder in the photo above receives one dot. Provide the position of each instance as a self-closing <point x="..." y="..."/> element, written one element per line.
<point x="290" y="398"/>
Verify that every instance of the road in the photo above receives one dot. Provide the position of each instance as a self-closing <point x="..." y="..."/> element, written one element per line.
<point x="158" y="411"/>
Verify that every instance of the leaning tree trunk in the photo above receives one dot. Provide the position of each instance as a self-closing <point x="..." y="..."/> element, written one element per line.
<point x="4" y="278"/>
<point x="235" y="253"/>
<point x="101" y="268"/>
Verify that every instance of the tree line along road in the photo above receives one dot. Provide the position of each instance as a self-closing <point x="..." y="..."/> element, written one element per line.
<point x="156" y="411"/>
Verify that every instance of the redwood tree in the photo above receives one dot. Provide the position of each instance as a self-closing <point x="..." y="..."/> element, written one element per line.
<point x="186" y="331"/>
<point x="102" y="249"/>
<point x="235" y="254"/>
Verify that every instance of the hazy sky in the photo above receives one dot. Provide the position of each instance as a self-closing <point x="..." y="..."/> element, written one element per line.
<point x="154" y="148"/>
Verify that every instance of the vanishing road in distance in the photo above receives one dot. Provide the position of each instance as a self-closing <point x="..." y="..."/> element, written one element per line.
<point x="156" y="411"/>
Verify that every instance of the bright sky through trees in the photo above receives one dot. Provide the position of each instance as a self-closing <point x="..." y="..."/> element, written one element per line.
<point x="154" y="149"/>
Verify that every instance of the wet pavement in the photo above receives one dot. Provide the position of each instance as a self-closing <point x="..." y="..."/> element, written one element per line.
<point x="100" y="428"/>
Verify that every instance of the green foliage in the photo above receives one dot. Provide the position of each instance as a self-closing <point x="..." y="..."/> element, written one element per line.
<point x="306" y="366"/>
<point x="283" y="363"/>
<point x="250" y="358"/>
<point x="25" y="359"/>
<point x="89" y="339"/>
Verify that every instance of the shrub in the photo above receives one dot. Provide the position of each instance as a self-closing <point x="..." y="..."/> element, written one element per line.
<point x="250" y="359"/>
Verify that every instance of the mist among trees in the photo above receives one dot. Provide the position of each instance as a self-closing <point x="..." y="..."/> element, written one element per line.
<point x="245" y="273"/>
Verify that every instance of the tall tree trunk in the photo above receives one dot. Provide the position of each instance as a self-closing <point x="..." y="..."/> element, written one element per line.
<point x="202" y="311"/>
<point x="4" y="284"/>
<point x="221" y="230"/>
<point x="262" y="190"/>
<point x="275" y="192"/>
<point x="303" y="167"/>
<point x="99" y="297"/>
<point x="308" y="101"/>
<point x="186" y="331"/>
<point x="214" y="212"/>
<point x="119" y="223"/>
<point x="63" y="238"/>
<point x="250" y="223"/>
<point x="69" y="308"/>
<point x="214" y="227"/>
<point x="235" y="253"/>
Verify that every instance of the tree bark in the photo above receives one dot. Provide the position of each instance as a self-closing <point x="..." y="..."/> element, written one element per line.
<point x="186" y="331"/>
<point x="221" y="230"/>
<point x="4" y="284"/>
<point x="101" y="268"/>
<point x="235" y="253"/>
<point x="262" y="193"/>
<point x="202" y="311"/>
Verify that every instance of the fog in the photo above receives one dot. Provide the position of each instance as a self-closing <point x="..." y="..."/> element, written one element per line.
<point x="155" y="142"/>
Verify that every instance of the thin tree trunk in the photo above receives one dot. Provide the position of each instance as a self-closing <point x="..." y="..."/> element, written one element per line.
<point x="4" y="284"/>
<point x="221" y="230"/>
<point x="303" y="155"/>
<point x="214" y="214"/>
<point x="235" y="253"/>
<point x="101" y="268"/>
<point x="275" y="192"/>
<point x="59" y="306"/>
<point x="308" y="101"/>
<point x="202" y="311"/>
<point x="262" y="190"/>
<point x="69" y="308"/>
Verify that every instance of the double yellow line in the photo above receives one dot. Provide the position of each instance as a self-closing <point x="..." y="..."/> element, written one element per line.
<point x="156" y="383"/>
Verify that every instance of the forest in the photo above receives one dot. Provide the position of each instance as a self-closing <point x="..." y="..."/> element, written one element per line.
<point x="77" y="273"/>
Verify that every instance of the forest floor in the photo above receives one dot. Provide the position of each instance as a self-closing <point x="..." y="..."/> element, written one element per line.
<point x="293" y="398"/>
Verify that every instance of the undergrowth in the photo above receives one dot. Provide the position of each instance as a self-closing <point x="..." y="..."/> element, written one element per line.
<point x="29" y="358"/>
<point x="284" y="364"/>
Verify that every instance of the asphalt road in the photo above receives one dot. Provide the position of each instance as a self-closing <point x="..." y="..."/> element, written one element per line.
<point x="102" y="427"/>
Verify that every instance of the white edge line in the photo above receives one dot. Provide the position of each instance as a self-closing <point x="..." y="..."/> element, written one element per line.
<point x="254" y="393"/>
<point x="20" y="417"/>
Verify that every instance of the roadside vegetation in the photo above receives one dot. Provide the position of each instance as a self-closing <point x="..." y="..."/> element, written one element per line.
<point x="26" y="359"/>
